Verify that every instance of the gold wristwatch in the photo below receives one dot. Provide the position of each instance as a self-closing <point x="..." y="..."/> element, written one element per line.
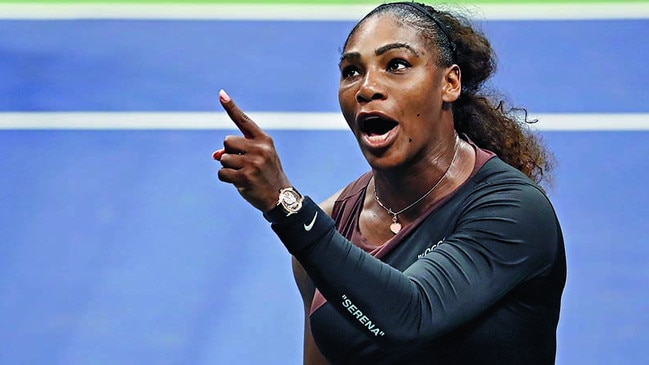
<point x="289" y="202"/>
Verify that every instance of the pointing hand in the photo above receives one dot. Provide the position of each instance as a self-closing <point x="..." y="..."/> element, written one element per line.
<point x="250" y="162"/>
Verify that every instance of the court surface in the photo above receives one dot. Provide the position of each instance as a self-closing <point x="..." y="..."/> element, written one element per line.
<point x="119" y="246"/>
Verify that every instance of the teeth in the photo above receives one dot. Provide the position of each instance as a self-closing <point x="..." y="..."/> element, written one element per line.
<point x="377" y="138"/>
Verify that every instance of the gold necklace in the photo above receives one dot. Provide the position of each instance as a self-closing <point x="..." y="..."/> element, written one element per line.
<point x="395" y="227"/>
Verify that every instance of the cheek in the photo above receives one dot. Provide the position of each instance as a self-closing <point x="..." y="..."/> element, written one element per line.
<point x="424" y="107"/>
<point x="420" y="123"/>
<point x="347" y="102"/>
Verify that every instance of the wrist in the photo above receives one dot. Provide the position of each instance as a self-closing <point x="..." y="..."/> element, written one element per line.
<point x="289" y="202"/>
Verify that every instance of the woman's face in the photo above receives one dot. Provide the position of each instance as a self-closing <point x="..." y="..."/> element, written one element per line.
<point x="391" y="93"/>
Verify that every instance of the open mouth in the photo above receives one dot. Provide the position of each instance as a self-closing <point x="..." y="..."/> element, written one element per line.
<point x="376" y="125"/>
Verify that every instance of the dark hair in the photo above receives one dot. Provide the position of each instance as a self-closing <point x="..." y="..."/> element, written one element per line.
<point x="478" y="113"/>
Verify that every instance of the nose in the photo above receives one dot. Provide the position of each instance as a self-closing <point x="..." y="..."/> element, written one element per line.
<point x="370" y="89"/>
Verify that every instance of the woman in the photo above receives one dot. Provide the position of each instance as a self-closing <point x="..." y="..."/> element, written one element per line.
<point x="447" y="251"/>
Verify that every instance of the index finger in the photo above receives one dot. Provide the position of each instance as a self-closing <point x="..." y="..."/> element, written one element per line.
<point x="247" y="126"/>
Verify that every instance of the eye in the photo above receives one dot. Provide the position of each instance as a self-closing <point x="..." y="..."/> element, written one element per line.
<point x="397" y="65"/>
<point x="349" y="71"/>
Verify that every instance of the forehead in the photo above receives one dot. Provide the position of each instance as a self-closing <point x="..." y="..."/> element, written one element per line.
<point x="382" y="29"/>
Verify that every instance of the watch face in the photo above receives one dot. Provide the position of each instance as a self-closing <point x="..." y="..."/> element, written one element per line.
<point x="290" y="200"/>
<point x="289" y="197"/>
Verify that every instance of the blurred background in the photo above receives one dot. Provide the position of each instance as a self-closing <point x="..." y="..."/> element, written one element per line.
<point x="118" y="245"/>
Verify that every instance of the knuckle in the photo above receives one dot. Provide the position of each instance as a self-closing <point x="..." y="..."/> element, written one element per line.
<point x="264" y="149"/>
<point x="267" y="148"/>
<point x="228" y="139"/>
<point x="231" y="142"/>
<point x="226" y="159"/>
<point x="222" y="175"/>
<point x="232" y="138"/>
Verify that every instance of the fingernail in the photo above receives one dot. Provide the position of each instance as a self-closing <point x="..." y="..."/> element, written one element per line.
<point x="217" y="154"/>
<point x="224" y="96"/>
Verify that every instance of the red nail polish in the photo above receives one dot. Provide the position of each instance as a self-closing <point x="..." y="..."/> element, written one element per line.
<point x="217" y="154"/>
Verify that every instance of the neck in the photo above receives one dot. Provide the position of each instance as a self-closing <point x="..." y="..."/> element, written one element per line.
<point x="407" y="190"/>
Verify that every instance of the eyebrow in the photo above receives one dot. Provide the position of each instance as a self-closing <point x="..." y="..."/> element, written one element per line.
<point x="355" y="56"/>
<point x="350" y="57"/>
<point x="388" y="47"/>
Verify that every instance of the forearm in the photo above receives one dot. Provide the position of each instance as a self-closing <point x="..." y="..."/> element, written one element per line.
<point x="498" y="243"/>
<point x="349" y="278"/>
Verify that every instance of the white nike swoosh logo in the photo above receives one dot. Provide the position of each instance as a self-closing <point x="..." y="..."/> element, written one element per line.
<point x="307" y="227"/>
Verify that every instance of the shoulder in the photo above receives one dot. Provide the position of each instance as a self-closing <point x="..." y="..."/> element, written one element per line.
<point x="353" y="189"/>
<point x="328" y="204"/>
<point x="506" y="187"/>
<point x="506" y="210"/>
<point x="496" y="170"/>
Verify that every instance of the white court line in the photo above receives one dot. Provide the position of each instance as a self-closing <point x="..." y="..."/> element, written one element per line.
<point x="564" y="11"/>
<point x="273" y="121"/>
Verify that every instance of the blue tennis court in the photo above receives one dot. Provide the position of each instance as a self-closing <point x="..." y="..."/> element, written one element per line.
<point x="121" y="247"/>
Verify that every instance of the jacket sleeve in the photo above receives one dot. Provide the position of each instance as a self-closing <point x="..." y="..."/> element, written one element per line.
<point x="505" y="236"/>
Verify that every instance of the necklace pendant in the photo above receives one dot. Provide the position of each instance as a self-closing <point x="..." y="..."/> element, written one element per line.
<point x="395" y="227"/>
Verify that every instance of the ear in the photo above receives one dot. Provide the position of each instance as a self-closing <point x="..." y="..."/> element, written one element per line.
<point x="452" y="84"/>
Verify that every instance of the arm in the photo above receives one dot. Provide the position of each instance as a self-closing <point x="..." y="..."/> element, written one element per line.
<point x="505" y="236"/>
<point x="251" y="164"/>
<point x="312" y="355"/>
